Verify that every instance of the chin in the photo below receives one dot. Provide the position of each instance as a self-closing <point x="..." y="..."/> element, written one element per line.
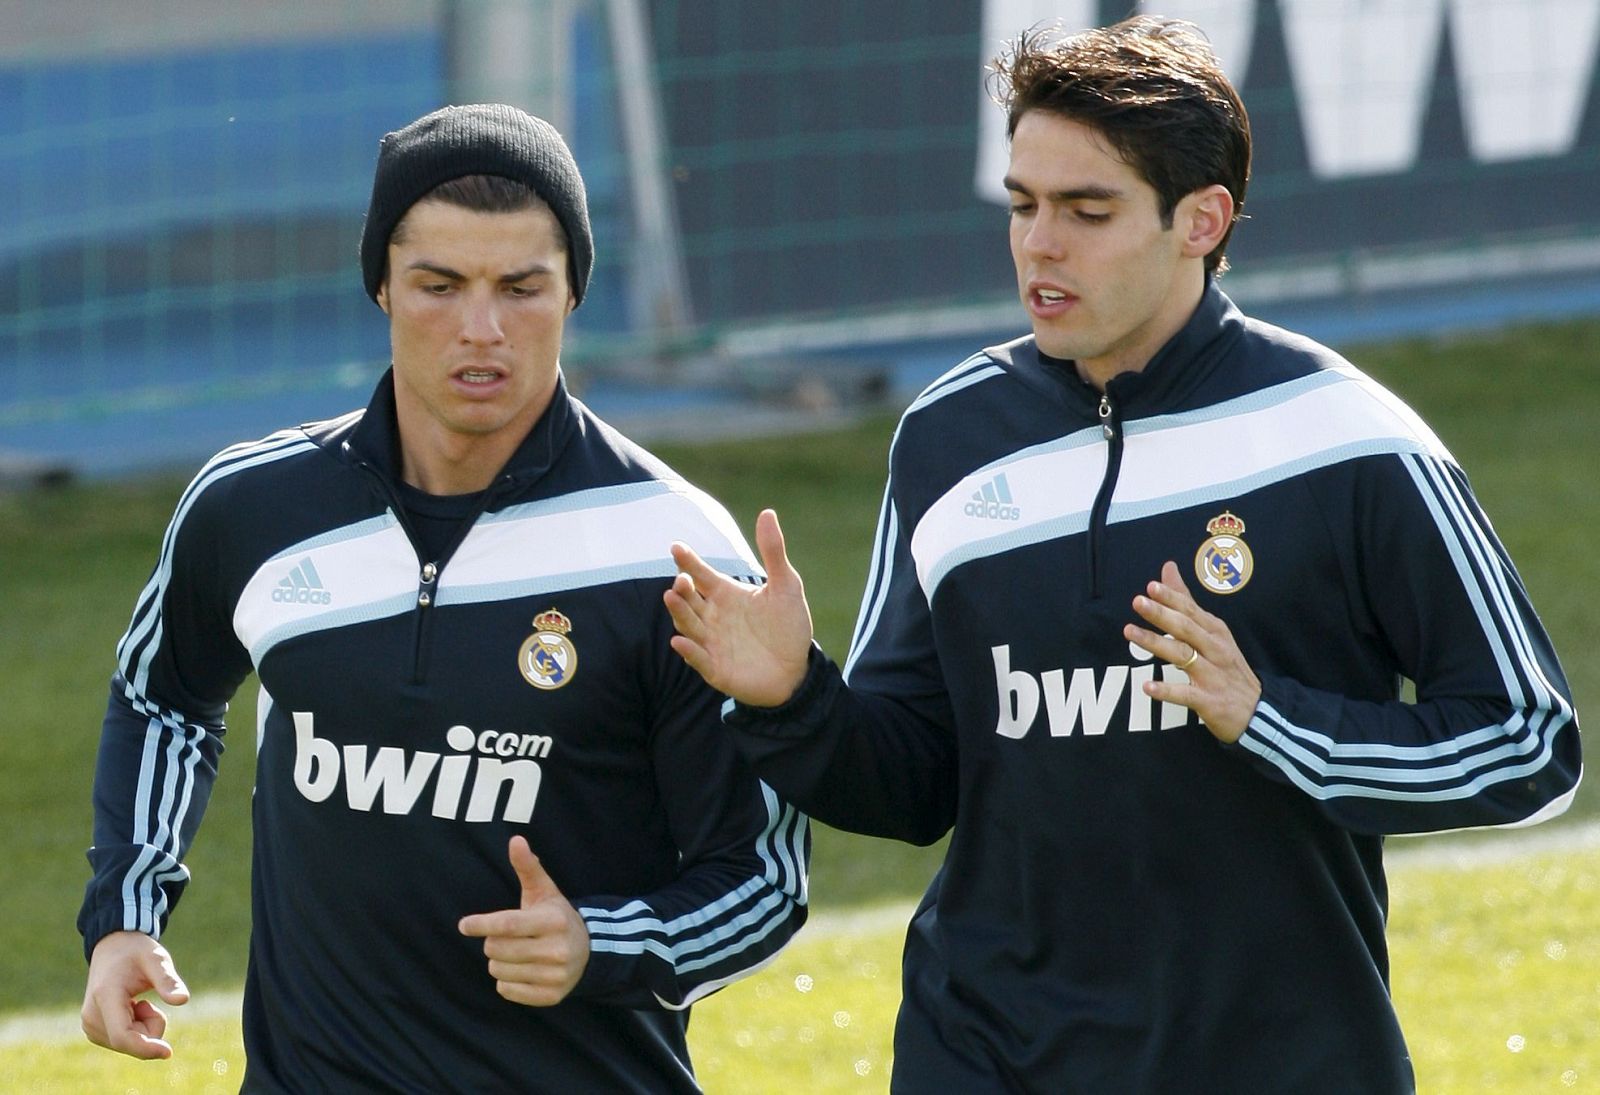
<point x="1064" y="348"/>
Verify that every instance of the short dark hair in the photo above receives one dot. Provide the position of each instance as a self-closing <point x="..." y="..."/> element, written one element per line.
<point x="1154" y="89"/>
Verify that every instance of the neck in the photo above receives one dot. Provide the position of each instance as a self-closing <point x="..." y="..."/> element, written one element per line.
<point x="439" y="460"/>
<point x="1137" y="350"/>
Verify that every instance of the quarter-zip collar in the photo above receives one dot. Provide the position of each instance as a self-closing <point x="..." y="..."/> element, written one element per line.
<point x="372" y="437"/>
<point x="1172" y="375"/>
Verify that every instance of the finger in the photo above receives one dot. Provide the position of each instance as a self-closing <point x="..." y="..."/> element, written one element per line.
<point x="537" y="885"/>
<point x="537" y="996"/>
<point x="165" y="980"/>
<point x="1166" y="647"/>
<point x="688" y="561"/>
<point x="693" y="654"/>
<point x="1171" y="591"/>
<point x="1165" y="619"/>
<point x="1172" y="576"/>
<point x="551" y="971"/>
<point x="685" y="616"/>
<point x="502" y="922"/>
<point x="137" y="1031"/>
<point x="683" y="586"/>
<point x="774" y="555"/>
<point x="541" y="945"/>
<point x="149" y="1020"/>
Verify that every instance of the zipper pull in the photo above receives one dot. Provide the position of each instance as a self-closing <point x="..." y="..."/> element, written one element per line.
<point x="1105" y="417"/>
<point x="430" y="576"/>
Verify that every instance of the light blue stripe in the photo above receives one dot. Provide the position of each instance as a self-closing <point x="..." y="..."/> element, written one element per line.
<point x="676" y="952"/>
<point x="219" y="467"/>
<point x="1053" y="529"/>
<point x="735" y="932"/>
<point x="1472" y="588"/>
<point x="799" y="829"/>
<point x="1088" y="437"/>
<point x="779" y="917"/>
<point x="652" y="924"/>
<point x="785" y="855"/>
<point x="265" y="452"/>
<point x="593" y="498"/>
<point x="165" y="837"/>
<point x="178" y="873"/>
<point x="579" y="579"/>
<point x="1497" y="575"/>
<point x="344" y="617"/>
<point x="777" y="815"/>
<point x="1457" y="768"/>
<point x="1249" y="403"/>
<point x="971" y="371"/>
<point x="632" y="908"/>
<point x="1379" y="750"/>
<point x="877" y="592"/>
<point x="1211" y="492"/>
<point x="148" y="603"/>
<point x="345" y="533"/>
<point x="770" y="798"/>
<point x="144" y="787"/>
<point x="1447" y="794"/>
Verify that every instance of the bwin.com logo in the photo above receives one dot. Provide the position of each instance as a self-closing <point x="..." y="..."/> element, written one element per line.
<point x="302" y="586"/>
<point x="993" y="502"/>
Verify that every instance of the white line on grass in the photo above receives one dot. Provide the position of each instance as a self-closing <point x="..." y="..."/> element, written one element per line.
<point x="1459" y="852"/>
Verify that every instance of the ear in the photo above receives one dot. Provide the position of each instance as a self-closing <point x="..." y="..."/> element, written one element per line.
<point x="383" y="295"/>
<point x="1205" y="216"/>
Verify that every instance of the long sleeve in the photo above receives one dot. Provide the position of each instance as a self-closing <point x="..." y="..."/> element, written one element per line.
<point x="177" y="666"/>
<point x="1492" y="738"/>
<point x="740" y="891"/>
<point x="872" y="749"/>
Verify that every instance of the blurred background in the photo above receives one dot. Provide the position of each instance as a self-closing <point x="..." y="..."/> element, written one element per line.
<point x="795" y="204"/>
<point x="797" y="221"/>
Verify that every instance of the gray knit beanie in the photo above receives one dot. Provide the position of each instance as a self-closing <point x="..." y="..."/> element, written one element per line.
<point x="484" y="139"/>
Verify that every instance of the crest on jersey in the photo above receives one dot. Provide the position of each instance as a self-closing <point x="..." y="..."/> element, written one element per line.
<point x="547" y="658"/>
<point x="1223" y="564"/>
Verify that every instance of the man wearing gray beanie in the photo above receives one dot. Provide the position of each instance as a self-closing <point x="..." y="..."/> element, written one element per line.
<point x="501" y="841"/>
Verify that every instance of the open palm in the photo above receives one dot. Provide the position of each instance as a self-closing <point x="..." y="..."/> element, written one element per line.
<point x="749" y="642"/>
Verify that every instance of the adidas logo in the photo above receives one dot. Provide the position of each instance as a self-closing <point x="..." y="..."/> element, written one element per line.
<point x="302" y="586"/>
<point x="993" y="501"/>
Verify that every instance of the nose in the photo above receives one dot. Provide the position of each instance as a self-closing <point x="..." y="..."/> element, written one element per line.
<point x="1043" y="238"/>
<point x="480" y="320"/>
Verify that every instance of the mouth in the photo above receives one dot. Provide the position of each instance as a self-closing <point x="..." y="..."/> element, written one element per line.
<point x="1048" y="300"/>
<point x="478" y="376"/>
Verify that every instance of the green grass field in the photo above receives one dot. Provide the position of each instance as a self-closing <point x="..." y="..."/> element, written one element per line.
<point x="1483" y="956"/>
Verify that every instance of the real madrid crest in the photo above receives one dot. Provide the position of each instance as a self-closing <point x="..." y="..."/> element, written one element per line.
<point x="1223" y="563"/>
<point x="547" y="658"/>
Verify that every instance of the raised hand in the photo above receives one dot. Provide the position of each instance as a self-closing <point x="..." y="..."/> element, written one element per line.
<point x="125" y="965"/>
<point x="749" y="643"/>
<point x="1220" y="687"/>
<point x="538" y="951"/>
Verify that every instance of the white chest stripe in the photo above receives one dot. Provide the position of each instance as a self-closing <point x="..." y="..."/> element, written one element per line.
<point x="369" y="571"/>
<point x="546" y="546"/>
<point x="1168" y="463"/>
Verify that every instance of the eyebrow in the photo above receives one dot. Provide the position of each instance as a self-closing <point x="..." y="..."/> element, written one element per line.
<point x="1078" y="193"/>
<point x="536" y="269"/>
